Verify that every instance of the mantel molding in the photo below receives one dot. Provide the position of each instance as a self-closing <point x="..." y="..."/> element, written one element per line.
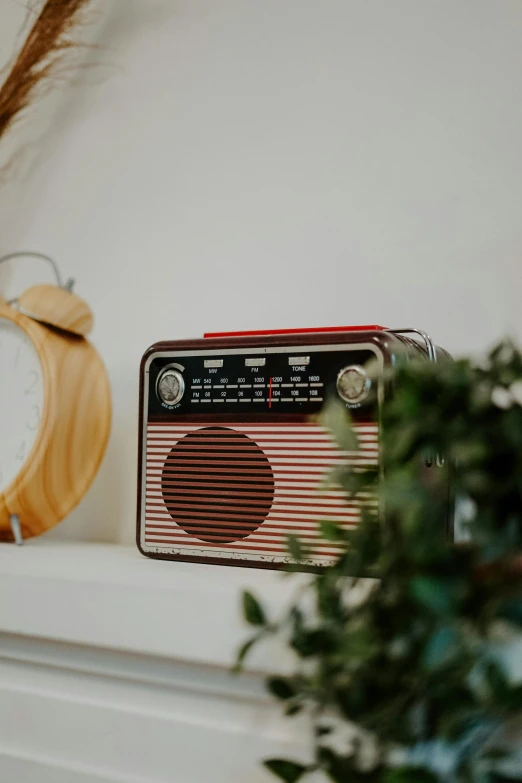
<point x="109" y="596"/>
<point x="116" y="669"/>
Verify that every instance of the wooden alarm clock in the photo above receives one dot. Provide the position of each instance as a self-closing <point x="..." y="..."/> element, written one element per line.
<point x="55" y="407"/>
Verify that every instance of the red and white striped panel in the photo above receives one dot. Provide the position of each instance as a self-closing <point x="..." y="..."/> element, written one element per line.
<point x="236" y="491"/>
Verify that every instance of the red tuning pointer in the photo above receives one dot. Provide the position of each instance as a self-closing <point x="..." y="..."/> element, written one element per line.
<point x="270" y="394"/>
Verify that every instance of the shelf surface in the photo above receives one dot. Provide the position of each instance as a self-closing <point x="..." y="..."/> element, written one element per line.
<point x="111" y="596"/>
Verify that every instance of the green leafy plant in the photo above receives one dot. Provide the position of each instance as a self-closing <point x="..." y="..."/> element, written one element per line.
<point x="411" y="677"/>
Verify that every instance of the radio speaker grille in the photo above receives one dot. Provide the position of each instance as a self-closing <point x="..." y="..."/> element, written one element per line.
<point x="229" y="507"/>
<point x="236" y="492"/>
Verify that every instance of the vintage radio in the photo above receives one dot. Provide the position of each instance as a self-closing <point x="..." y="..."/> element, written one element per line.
<point x="231" y="460"/>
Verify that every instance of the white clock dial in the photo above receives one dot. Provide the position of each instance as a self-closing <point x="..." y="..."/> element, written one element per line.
<point x="21" y="399"/>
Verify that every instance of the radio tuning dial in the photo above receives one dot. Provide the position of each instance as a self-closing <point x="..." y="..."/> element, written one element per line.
<point x="170" y="386"/>
<point x="353" y="384"/>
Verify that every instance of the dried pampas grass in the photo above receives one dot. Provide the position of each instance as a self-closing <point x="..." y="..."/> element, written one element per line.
<point x="48" y="40"/>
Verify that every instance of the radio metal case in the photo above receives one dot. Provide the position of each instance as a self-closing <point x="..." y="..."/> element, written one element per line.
<point x="231" y="460"/>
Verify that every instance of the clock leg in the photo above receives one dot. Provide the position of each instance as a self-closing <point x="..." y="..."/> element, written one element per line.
<point x="16" y="528"/>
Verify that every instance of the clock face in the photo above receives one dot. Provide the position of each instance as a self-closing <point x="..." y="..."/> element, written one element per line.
<point x="21" y="399"/>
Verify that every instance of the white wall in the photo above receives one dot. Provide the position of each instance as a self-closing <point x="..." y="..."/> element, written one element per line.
<point x="264" y="163"/>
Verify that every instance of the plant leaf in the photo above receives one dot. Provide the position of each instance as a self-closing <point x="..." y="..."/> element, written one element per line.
<point x="322" y="731"/>
<point x="441" y="647"/>
<point x="281" y="688"/>
<point x="409" y="775"/>
<point x="335" y="418"/>
<point x="331" y="531"/>
<point x="243" y="652"/>
<point x="318" y="641"/>
<point x="497" y="680"/>
<point x="345" y="769"/>
<point x="289" y="771"/>
<point x="512" y="610"/>
<point x="252" y="610"/>
<point x="435" y="594"/>
<point x="294" y="547"/>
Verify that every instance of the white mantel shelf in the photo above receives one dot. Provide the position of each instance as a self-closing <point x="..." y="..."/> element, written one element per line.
<point x="113" y="597"/>
<point x="116" y="669"/>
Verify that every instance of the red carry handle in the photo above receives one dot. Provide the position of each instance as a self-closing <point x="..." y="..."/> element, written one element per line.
<point x="308" y="330"/>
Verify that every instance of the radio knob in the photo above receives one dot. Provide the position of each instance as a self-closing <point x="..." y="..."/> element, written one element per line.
<point x="170" y="386"/>
<point x="353" y="384"/>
